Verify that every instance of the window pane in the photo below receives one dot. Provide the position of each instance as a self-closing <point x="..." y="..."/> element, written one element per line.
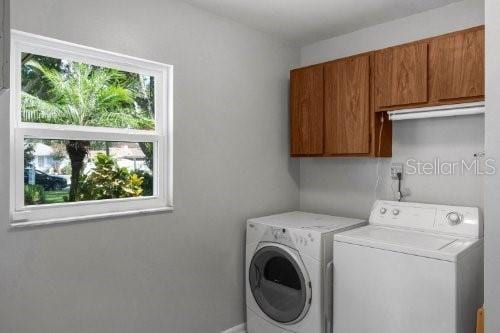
<point x="58" y="171"/>
<point x="58" y="91"/>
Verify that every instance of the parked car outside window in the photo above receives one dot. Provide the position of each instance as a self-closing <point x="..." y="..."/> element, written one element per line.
<point x="48" y="182"/>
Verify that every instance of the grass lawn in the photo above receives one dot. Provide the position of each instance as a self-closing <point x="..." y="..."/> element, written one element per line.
<point x="55" y="196"/>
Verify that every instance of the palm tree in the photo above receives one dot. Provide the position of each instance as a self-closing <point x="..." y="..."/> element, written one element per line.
<point x="84" y="95"/>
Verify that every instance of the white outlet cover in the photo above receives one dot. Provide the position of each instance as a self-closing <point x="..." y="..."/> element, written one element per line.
<point x="395" y="169"/>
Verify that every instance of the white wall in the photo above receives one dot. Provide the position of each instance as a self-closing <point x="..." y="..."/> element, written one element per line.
<point x="456" y="16"/>
<point x="345" y="186"/>
<point x="492" y="184"/>
<point x="180" y="272"/>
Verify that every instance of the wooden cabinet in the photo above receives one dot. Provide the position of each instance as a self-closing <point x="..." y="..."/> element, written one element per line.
<point x="347" y="106"/>
<point x="447" y="69"/>
<point x="338" y="108"/>
<point x="306" y="111"/>
<point x="401" y="75"/>
<point x="456" y="64"/>
<point x="331" y="111"/>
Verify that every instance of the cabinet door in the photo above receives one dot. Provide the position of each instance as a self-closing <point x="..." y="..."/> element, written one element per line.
<point x="347" y="106"/>
<point x="401" y="76"/>
<point x="306" y="111"/>
<point x="457" y="66"/>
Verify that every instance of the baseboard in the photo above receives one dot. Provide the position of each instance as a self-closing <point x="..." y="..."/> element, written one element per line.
<point x="241" y="328"/>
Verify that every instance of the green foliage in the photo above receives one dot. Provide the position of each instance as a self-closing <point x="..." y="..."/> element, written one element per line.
<point x="108" y="181"/>
<point x="34" y="194"/>
<point x="56" y="197"/>
<point x="29" y="150"/>
<point x="147" y="183"/>
<point x="72" y="93"/>
<point x="32" y="81"/>
<point x="66" y="170"/>
<point x="147" y="149"/>
<point x="85" y="95"/>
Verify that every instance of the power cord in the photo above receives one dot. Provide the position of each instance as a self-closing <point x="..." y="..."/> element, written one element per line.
<point x="379" y="178"/>
<point x="400" y="194"/>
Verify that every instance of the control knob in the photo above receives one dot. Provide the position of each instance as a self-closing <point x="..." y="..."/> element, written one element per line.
<point x="454" y="218"/>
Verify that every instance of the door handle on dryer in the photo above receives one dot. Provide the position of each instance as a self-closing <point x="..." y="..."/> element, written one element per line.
<point x="258" y="276"/>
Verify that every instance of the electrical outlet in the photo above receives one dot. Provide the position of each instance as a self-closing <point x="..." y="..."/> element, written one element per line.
<point x="395" y="169"/>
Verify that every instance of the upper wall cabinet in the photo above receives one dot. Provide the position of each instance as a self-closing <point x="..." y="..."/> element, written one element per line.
<point x="331" y="111"/>
<point x="306" y="110"/>
<point x="401" y="76"/>
<point x="456" y="64"/>
<point x="446" y="69"/>
<point x="334" y="105"/>
<point x="347" y="106"/>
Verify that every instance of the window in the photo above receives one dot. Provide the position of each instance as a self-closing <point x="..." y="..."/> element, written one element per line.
<point x="91" y="133"/>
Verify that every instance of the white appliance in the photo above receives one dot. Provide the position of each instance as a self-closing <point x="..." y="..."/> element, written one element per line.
<point x="288" y="271"/>
<point x="415" y="268"/>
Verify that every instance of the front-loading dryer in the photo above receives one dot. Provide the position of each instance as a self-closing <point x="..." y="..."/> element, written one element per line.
<point x="289" y="271"/>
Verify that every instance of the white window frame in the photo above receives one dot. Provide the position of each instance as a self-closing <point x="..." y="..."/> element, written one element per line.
<point x="162" y="136"/>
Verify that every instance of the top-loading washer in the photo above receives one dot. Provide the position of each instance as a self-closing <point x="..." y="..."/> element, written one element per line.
<point x="415" y="268"/>
<point x="288" y="271"/>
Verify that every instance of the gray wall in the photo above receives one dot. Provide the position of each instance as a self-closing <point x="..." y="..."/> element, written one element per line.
<point x="346" y="186"/>
<point x="178" y="272"/>
<point x="492" y="184"/>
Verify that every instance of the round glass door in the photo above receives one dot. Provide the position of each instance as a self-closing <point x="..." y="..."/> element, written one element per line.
<point x="278" y="284"/>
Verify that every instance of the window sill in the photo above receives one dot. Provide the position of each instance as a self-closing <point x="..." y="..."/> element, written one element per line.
<point x="35" y="223"/>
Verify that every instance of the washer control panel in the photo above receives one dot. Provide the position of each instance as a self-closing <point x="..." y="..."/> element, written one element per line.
<point x="456" y="220"/>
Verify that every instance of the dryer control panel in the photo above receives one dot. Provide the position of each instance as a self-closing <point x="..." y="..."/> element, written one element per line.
<point x="306" y="242"/>
<point x="452" y="220"/>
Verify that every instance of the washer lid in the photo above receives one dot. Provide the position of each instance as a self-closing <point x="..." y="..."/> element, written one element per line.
<point x="424" y="244"/>
<point x="309" y="221"/>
